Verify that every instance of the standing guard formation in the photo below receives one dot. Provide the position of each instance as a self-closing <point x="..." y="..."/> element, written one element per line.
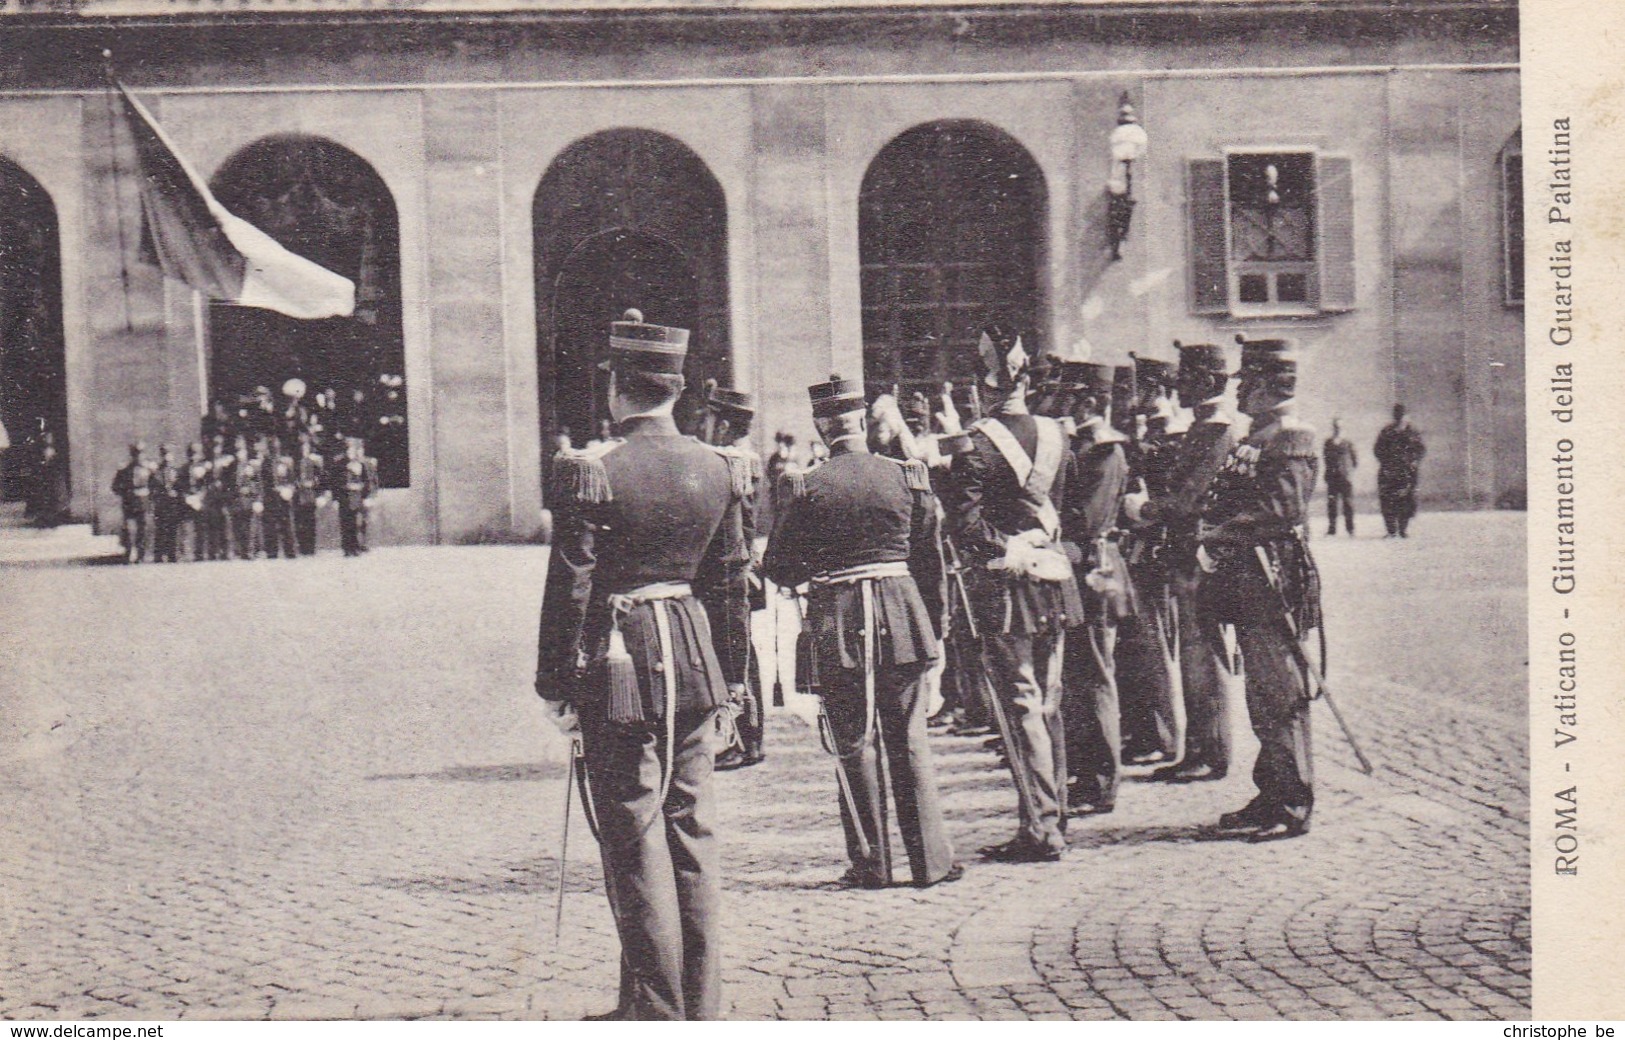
<point x="1081" y="565"/>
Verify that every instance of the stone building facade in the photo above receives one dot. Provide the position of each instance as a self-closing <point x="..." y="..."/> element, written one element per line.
<point x="810" y="187"/>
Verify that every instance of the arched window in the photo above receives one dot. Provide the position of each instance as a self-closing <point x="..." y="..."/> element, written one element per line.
<point x="33" y="365"/>
<point x="327" y="204"/>
<point x="951" y="236"/>
<point x="624" y="218"/>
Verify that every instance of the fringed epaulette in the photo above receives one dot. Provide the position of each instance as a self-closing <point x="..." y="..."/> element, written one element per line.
<point x="579" y="475"/>
<point x="915" y="473"/>
<point x="1297" y="441"/>
<point x="792" y="483"/>
<point x="744" y="468"/>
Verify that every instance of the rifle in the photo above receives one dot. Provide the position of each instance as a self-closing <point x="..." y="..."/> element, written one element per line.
<point x="1302" y="658"/>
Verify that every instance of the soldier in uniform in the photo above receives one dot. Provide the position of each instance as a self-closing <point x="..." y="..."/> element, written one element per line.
<point x="861" y="529"/>
<point x="310" y="489"/>
<point x="357" y="487"/>
<point x="1090" y="707"/>
<point x="728" y="423"/>
<point x="626" y="656"/>
<point x="1258" y="576"/>
<point x="167" y="485"/>
<point x="1398" y="452"/>
<point x="248" y="505"/>
<point x="1341" y="458"/>
<point x="219" y="503"/>
<point x="1148" y="679"/>
<point x="130" y="484"/>
<point x="278" y="495"/>
<point x="194" y="492"/>
<point x="1004" y="495"/>
<point x="1175" y="510"/>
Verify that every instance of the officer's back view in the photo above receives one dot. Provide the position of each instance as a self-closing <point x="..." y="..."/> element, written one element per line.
<point x="645" y="526"/>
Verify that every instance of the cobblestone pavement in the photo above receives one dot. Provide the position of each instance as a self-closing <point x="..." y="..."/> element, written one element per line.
<point x="320" y="790"/>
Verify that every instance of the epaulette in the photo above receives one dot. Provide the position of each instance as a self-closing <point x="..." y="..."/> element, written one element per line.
<point x="744" y="467"/>
<point x="792" y="483"/>
<point x="579" y="475"/>
<point x="915" y="473"/>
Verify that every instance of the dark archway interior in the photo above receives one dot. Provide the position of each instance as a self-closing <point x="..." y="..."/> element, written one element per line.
<point x="33" y="360"/>
<point x="951" y="236"/>
<point x="624" y="218"/>
<point x="327" y="204"/>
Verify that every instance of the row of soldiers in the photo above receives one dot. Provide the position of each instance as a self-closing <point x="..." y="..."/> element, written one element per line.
<point x="1014" y="546"/>
<point x="243" y="498"/>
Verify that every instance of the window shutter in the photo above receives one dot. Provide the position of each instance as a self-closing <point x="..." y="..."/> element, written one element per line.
<point x="1334" y="189"/>
<point x="1209" y="261"/>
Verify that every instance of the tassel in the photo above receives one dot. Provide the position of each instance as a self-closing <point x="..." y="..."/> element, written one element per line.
<point x="793" y="484"/>
<point x="621" y="677"/>
<point x="580" y="479"/>
<point x="739" y="473"/>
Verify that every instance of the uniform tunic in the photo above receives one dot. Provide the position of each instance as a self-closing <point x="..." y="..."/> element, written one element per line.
<point x="1260" y="500"/>
<point x="655" y="508"/>
<point x="1021" y="622"/>
<point x="1090" y="707"/>
<point x="861" y="509"/>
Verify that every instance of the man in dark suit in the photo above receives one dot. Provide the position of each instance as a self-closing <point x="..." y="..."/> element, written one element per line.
<point x="1398" y="451"/>
<point x="1258" y="575"/>
<point x="1174" y="508"/>
<point x="644" y="527"/>
<point x="861" y="529"/>
<point x="1004" y="496"/>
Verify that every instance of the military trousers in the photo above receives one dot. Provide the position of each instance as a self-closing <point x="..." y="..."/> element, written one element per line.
<point x="279" y="532"/>
<point x="166" y="533"/>
<point x="1024" y="670"/>
<point x="1396" y="496"/>
<point x="304" y="526"/>
<point x="1148" y="679"/>
<point x="899" y="733"/>
<point x="1090" y="711"/>
<point x="1339" y="496"/>
<point x="661" y="868"/>
<point x="1279" y="712"/>
<point x="1202" y="682"/>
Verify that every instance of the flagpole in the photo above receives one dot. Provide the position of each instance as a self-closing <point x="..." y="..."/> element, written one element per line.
<point x="200" y="338"/>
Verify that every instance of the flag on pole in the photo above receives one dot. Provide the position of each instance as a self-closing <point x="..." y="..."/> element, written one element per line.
<point x="198" y="241"/>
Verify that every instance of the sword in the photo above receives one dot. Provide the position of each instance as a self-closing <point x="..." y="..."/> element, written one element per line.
<point x="1302" y="659"/>
<point x="564" y="841"/>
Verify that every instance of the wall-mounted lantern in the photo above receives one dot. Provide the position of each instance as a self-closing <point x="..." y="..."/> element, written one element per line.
<point x="1128" y="145"/>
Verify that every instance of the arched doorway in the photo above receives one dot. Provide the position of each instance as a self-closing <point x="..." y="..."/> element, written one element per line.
<point x="33" y="359"/>
<point x="327" y="204"/>
<point x="624" y="218"/>
<point x="951" y="236"/>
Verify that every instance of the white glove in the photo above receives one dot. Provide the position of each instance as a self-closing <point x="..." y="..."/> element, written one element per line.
<point x="562" y="715"/>
<point x="1203" y="560"/>
<point x="948" y="418"/>
<point x="1134" y="503"/>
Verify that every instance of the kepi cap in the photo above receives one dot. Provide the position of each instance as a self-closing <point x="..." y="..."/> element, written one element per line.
<point x="660" y="349"/>
<point x="835" y="397"/>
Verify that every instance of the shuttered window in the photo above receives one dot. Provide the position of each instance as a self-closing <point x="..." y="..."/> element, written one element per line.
<point x="1512" y="221"/>
<point x="1271" y="233"/>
